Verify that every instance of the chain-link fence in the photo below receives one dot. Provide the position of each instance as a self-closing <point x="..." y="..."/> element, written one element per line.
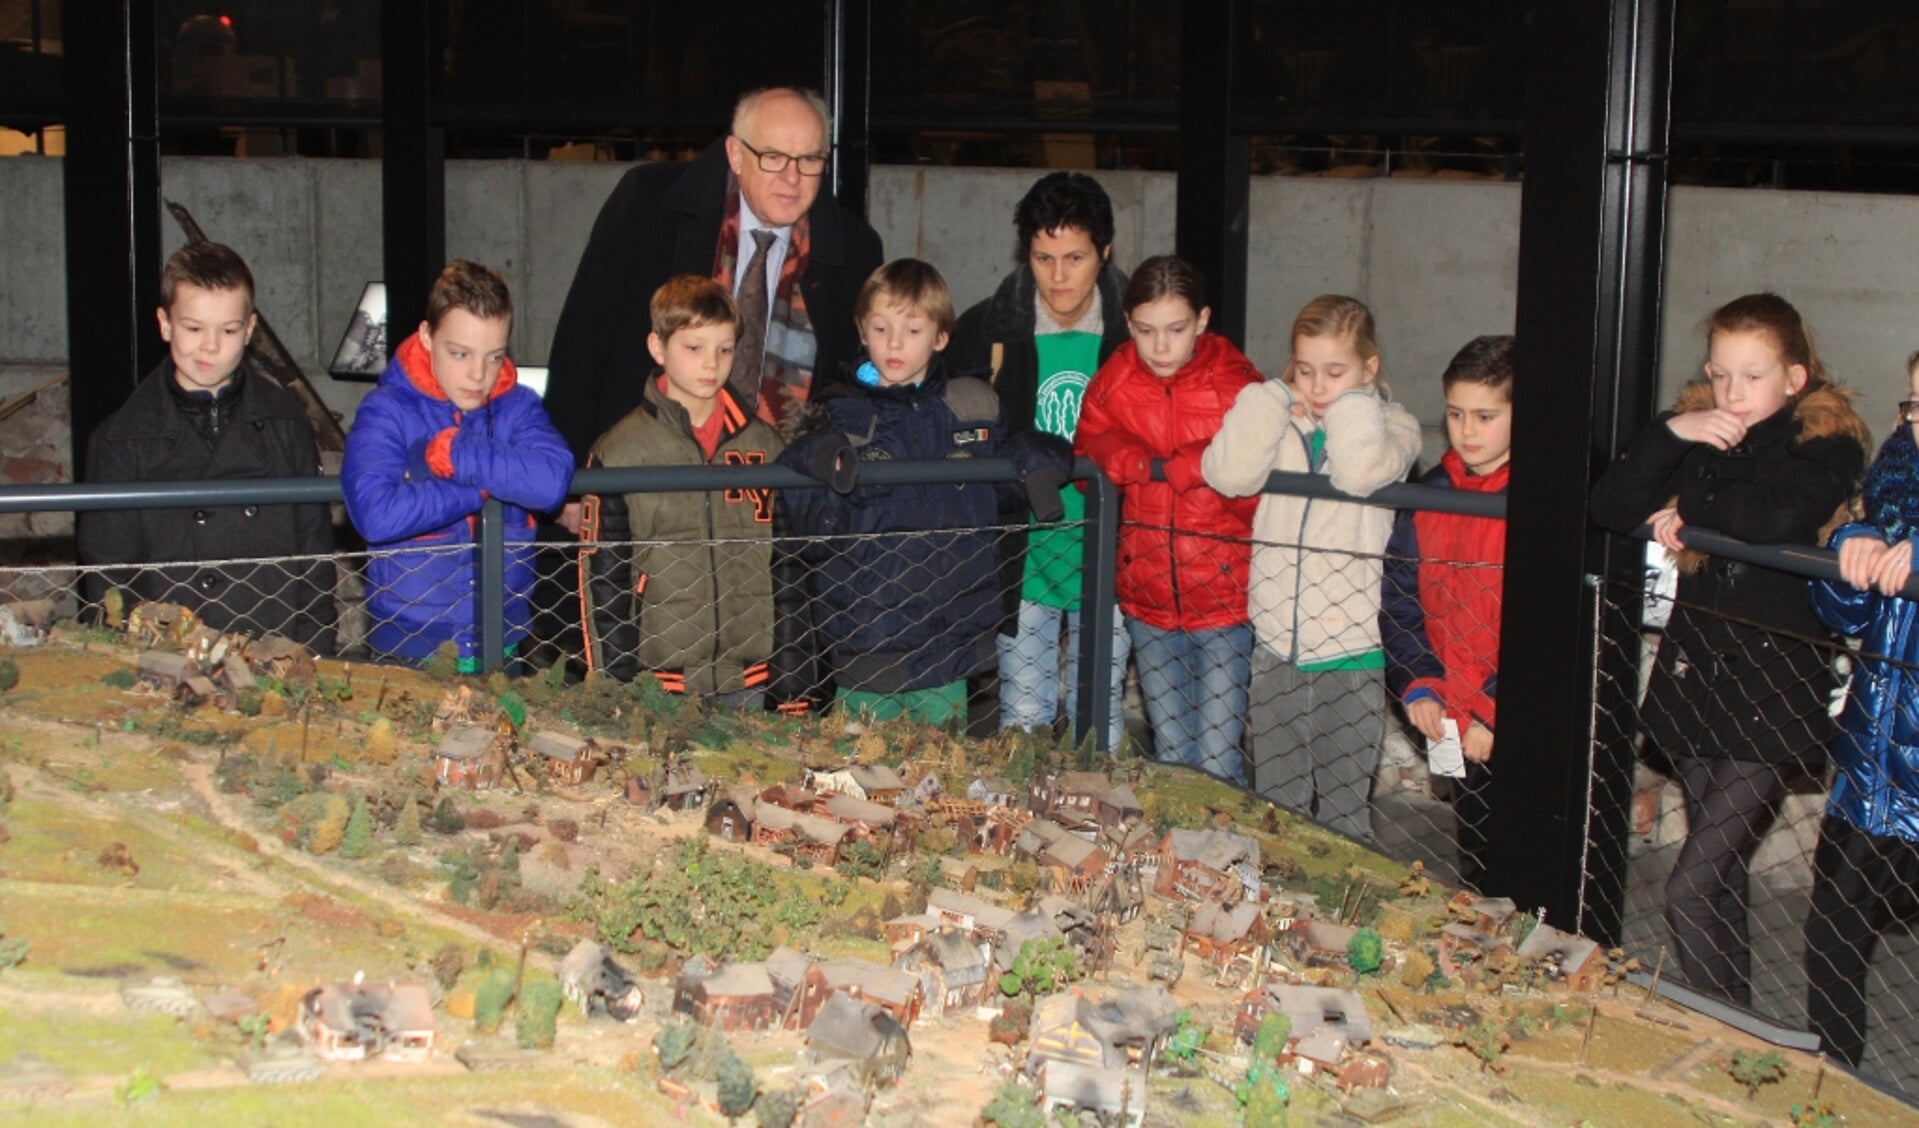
<point x="1361" y="693"/>
<point x="1749" y="879"/>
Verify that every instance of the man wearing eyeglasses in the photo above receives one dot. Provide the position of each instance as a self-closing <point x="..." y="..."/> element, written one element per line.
<point x="750" y="214"/>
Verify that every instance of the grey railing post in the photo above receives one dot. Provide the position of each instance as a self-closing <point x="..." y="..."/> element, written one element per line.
<point x="492" y="592"/>
<point x="1094" y="704"/>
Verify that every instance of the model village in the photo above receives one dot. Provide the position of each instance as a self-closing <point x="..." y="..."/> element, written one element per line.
<point x="238" y="879"/>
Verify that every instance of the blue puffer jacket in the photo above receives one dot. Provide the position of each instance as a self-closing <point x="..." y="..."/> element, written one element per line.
<point x="910" y="599"/>
<point x="1877" y="785"/>
<point x="416" y="472"/>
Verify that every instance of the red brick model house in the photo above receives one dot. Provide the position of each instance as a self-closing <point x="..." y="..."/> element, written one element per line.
<point x="1318" y="943"/>
<point x="1216" y="864"/>
<point x="1220" y="930"/>
<point x="469" y="756"/>
<point x="812" y="836"/>
<point x="737" y="996"/>
<point x="564" y="758"/>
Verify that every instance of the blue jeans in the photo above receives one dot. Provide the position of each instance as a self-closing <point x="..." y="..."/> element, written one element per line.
<point x="1195" y="684"/>
<point x="1029" y="680"/>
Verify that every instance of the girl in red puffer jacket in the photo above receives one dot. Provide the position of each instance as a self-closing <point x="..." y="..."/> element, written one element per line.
<point x="1183" y="549"/>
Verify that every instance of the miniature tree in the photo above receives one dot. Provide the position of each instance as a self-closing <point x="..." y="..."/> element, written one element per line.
<point x="1187" y="1038"/>
<point x="490" y="1000"/>
<point x="1012" y="1107"/>
<point x="254" y="1027"/>
<point x="1487" y="1041"/>
<point x="539" y="1013"/>
<point x="1416" y="970"/>
<point x="1269" y="1041"/>
<point x="1266" y="1098"/>
<point x="674" y="1044"/>
<point x="448" y="963"/>
<point x="357" y="842"/>
<point x="1366" y="951"/>
<point x="444" y="664"/>
<point x="406" y="829"/>
<point x="447" y="818"/>
<point x="1042" y="964"/>
<point x="1755" y="1069"/>
<point x="329" y="830"/>
<point x="13" y="953"/>
<point x="462" y="876"/>
<point x="737" y="1086"/>
<point x="776" y="1108"/>
<point x="1819" y="1115"/>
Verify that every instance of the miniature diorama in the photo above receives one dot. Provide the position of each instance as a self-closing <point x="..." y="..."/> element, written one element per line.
<point x="230" y="864"/>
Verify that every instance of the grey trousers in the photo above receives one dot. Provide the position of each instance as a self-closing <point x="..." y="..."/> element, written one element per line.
<point x="1316" y="740"/>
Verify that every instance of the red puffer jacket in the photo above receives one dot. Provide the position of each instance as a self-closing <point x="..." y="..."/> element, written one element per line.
<point x="1183" y="549"/>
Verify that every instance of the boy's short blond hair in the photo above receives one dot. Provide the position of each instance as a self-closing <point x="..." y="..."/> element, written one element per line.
<point x="912" y="283"/>
<point x="207" y="266"/>
<point x="689" y="301"/>
<point x="471" y="286"/>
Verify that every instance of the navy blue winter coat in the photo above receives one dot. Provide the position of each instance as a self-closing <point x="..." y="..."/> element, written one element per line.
<point x="906" y="590"/>
<point x="1876" y="787"/>
<point x="416" y="472"/>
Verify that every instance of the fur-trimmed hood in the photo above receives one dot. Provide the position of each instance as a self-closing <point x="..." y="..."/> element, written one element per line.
<point x="1824" y="412"/>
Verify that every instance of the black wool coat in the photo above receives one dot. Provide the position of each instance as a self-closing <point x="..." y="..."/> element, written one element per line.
<point x="664" y="220"/>
<point x="1735" y="676"/>
<point x="151" y="439"/>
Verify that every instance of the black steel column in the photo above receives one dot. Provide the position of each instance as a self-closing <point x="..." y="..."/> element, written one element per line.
<point x="112" y="196"/>
<point x="849" y="92"/>
<point x="1592" y="227"/>
<point x="1215" y="168"/>
<point x="413" y="159"/>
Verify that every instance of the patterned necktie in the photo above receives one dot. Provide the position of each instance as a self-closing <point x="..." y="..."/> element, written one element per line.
<point x="749" y="353"/>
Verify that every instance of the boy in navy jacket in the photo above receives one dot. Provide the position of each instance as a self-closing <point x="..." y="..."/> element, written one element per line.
<point x="905" y="577"/>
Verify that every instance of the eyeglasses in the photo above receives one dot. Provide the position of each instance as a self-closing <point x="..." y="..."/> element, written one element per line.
<point x="772" y="160"/>
<point x="1909" y="411"/>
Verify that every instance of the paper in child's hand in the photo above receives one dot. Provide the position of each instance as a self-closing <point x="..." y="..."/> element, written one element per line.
<point x="1445" y="757"/>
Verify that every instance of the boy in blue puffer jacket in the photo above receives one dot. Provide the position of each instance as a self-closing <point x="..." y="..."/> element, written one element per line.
<point x="1866" y="869"/>
<point x="447" y="428"/>
<point x="904" y="578"/>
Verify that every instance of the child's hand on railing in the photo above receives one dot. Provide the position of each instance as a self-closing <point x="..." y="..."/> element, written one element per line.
<point x="1665" y="528"/>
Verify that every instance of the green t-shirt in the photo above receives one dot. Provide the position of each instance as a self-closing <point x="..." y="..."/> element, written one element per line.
<point x="1066" y="364"/>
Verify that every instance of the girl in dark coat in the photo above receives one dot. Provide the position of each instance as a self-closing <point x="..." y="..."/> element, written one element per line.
<point x="1767" y="450"/>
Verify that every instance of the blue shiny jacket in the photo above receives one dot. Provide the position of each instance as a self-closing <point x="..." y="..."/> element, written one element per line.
<point x="1877" y="753"/>
<point x="416" y="472"/>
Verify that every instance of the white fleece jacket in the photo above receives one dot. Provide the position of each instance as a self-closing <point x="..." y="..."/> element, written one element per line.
<point x="1313" y="595"/>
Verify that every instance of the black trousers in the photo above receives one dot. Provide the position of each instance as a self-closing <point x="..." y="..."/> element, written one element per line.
<point x="1729" y="805"/>
<point x="1861" y="882"/>
<point x="1472" y="814"/>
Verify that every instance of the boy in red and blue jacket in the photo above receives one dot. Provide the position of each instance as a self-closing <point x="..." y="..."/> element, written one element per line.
<point x="1439" y="612"/>
<point x="448" y="427"/>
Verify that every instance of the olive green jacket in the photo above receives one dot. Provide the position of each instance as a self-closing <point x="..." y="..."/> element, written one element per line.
<point x="680" y="585"/>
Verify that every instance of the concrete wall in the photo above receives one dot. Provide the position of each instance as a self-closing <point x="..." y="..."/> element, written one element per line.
<point x="1437" y="260"/>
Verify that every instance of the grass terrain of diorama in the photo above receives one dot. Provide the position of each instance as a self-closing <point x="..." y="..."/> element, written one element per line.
<point x="223" y="885"/>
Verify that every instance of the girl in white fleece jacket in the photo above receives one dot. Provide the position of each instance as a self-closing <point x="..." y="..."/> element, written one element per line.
<point x="1318" y="709"/>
